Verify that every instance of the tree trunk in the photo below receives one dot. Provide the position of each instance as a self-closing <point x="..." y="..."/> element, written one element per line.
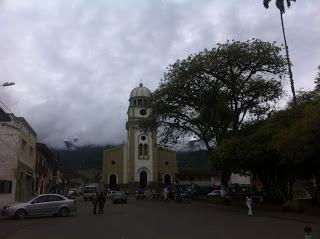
<point x="288" y="61"/>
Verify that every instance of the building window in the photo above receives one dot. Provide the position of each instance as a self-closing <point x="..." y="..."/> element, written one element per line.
<point x="134" y="102"/>
<point x="5" y="186"/>
<point x="23" y="144"/>
<point x="167" y="163"/>
<point x="113" y="162"/>
<point x="139" y="101"/>
<point x="145" y="150"/>
<point x="144" y="102"/>
<point x="30" y="151"/>
<point x="140" y="150"/>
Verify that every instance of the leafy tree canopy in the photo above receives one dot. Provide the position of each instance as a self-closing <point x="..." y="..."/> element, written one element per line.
<point x="279" y="3"/>
<point x="280" y="149"/>
<point x="218" y="90"/>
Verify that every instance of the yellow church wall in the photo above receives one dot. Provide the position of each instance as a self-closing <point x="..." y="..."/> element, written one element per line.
<point x="169" y="156"/>
<point x="113" y="155"/>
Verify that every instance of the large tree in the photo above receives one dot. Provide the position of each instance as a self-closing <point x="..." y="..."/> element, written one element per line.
<point x="317" y="81"/>
<point x="278" y="150"/>
<point x="281" y="6"/>
<point x="216" y="91"/>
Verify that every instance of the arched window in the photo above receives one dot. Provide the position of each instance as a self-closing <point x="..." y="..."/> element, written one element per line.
<point x="145" y="149"/>
<point x="140" y="150"/>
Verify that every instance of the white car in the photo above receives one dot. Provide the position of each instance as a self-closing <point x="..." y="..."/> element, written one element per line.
<point x="110" y="194"/>
<point x="42" y="205"/>
<point x="214" y="193"/>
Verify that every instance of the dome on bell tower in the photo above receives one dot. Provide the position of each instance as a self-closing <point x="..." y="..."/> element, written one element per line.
<point x="140" y="91"/>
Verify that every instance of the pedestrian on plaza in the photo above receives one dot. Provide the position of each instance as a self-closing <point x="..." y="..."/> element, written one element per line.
<point x="95" y="203"/>
<point x="165" y="193"/>
<point x="101" y="201"/>
<point x="308" y="233"/>
<point x="249" y="205"/>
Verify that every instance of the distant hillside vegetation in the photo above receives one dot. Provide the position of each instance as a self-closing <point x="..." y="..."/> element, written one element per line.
<point x="195" y="160"/>
<point x="91" y="157"/>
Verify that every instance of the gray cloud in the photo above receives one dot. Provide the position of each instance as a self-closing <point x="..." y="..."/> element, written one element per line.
<point x="75" y="62"/>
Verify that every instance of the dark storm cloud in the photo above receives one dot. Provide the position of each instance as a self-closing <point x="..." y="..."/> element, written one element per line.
<point x="75" y="62"/>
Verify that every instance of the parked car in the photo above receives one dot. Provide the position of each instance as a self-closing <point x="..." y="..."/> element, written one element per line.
<point x="119" y="197"/>
<point x="42" y="205"/>
<point x="214" y="193"/>
<point x="111" y="193"/>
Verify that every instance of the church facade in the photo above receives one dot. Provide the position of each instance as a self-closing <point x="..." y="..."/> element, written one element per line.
<point x="141" y="162"/>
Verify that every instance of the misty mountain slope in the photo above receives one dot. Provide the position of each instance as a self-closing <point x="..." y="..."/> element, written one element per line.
<point x="91" y="157"/>
<point x="82" y="157"/>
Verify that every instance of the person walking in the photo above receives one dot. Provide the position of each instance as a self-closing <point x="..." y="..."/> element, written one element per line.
<point x="308" y="233"/>
<point x="101" y="201"/>
<point x="165" y="193"/>
<point x="249" y="205"/>
<point x="95" y="203"/>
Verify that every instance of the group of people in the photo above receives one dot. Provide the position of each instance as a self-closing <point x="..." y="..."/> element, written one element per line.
<point x="99" y="200"/>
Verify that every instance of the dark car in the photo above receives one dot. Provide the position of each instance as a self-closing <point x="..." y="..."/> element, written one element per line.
<point x="119" y="197"/>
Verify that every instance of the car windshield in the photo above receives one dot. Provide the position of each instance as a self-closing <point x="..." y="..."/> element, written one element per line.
<point x="89" y="190"/>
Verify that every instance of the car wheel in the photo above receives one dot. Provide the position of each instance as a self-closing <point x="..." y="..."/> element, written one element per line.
<point x="63" y="212"/>
<point x="21" y="214"/>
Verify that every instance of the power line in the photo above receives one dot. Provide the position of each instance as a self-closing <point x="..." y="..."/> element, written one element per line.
<point x="6" y="107"/>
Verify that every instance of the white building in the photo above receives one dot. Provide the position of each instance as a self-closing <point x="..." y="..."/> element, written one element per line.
<point x="17" y="159"/>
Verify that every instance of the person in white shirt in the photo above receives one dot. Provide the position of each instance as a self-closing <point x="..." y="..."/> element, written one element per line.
<point x="165" y="193"/>
<point x="249" y="205"/>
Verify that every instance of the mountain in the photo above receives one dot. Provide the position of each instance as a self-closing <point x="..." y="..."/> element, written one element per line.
<point x="91" y="157"/>
<point x="194" y="161"/>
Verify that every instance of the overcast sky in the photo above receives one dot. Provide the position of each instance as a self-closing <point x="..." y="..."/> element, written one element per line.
<point x="75" y="62"/>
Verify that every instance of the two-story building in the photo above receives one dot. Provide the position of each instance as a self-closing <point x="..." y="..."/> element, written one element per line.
<point x="17" y="158"/>
<point x="47" y="170"/>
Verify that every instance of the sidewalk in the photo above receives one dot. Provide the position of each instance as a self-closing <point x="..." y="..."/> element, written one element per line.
<point x="307" y="217"/>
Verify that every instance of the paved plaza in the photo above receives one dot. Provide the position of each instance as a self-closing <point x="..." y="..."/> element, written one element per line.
<point x="154" y="219"/>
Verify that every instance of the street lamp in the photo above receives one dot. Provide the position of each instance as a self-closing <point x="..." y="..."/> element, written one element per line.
<point x="7" y="84"/>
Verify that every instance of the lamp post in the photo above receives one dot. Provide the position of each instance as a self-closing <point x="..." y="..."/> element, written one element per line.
<point x="7" y="84"/>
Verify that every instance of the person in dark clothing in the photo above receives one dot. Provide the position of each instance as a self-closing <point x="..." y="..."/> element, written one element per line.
<point x="101" y="201"/>
<point x="95" y="203"/>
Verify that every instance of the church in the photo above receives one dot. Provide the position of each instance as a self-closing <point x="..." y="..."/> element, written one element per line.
<point x="140" y="163"/>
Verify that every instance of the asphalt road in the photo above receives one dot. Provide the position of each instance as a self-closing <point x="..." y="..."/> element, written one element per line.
<point x="153" y="220"/>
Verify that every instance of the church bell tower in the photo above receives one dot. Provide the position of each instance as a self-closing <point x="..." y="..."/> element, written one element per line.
<point x="141" y="142"/>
